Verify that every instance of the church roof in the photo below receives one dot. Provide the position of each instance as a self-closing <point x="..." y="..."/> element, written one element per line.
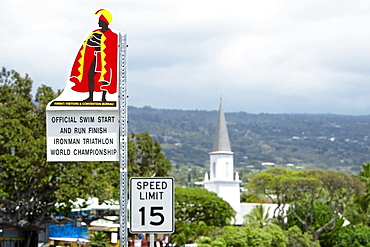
<point x="221" y="141"/>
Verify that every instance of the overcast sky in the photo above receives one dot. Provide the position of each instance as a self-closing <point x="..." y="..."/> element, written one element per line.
<point x="265" y="56"/>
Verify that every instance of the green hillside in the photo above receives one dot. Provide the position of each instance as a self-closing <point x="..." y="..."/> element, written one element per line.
<point x="305" y="140"/>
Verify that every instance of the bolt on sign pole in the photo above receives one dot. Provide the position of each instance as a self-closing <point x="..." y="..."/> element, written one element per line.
<point x="123" y="138"/>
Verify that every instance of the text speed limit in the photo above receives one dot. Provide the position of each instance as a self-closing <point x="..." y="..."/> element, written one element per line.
<point x="151" y="205"/>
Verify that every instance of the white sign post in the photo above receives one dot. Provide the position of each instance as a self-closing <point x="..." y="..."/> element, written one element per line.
<point x="151" y="205"/>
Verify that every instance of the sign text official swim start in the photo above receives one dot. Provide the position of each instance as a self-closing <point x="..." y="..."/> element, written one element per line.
<point x="83" y="119"/>
<point x="151" y="190"/>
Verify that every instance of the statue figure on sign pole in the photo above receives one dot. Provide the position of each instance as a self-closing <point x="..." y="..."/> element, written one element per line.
<point x="95" y="66"/>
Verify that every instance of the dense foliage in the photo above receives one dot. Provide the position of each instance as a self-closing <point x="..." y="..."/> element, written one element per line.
<point x="354" y="236"/>
<point x="196" y="205"/>
<point x="247" y="236"/>
<point x="317" y="218"/>
<point x="145" y="157"/>
<point x="305" y="191"/>
<point x="99" y="239"/>
<point x="197" y="212"/>
<point x="297" y="238"/>
<point x="259" y="216"/>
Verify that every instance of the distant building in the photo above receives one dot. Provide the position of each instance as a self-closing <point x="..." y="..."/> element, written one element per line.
<point x="221" y="178"/>
<point x="270" y="164"/>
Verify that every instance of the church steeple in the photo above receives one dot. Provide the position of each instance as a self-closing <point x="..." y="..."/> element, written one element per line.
<point x="221" y="177"/>
<point x="221" y="141"/>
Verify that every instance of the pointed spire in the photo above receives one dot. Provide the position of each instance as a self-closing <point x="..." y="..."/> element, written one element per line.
<point x="221" y="141"/>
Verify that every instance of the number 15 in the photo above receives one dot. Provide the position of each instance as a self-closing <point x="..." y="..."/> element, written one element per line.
<point x="153" y="213"/>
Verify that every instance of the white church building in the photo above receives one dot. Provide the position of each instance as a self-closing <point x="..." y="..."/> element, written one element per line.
<point x="222" y="179"/>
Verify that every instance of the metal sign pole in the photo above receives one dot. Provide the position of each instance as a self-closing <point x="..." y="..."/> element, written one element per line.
<point x="123" y="138"/>
<point x="151" y="240"/>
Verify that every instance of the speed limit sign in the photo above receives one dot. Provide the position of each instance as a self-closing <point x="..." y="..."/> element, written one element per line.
<point x="151" y="205"/>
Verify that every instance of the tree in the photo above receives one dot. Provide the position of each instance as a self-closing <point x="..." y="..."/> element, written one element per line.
<point x="235" y="236"/>
<point x="364" y="176"/>
<point x="259" y="216"/>
<point x="99" y="239"/>
<point x="271" y="183"/>
<point x="302" y="188"/>
<point x="186" y="233"/>
<point x="201" y="205"/>
<point x="297" y="238"/>
<point x="145" y="157"/>
<point x="205" y="242"/>
<point x="348" y="236"/>
<point x="359" y="209"/>
<point x="30" y="187"/>
<point x="249" y="236"/>
<point x="316" y="217"/>
<point x="197" y="211"/>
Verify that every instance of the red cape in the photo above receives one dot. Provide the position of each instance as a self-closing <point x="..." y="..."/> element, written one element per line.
<point x="106" y="64"/>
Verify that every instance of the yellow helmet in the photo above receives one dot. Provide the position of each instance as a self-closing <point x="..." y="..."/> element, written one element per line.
<point x="105" y="15"/>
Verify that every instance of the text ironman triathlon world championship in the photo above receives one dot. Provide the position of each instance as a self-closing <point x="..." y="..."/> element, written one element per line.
<point x="82" y="135"/>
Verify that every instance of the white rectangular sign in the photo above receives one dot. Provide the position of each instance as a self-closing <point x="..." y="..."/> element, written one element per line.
<point x="151" y="205"/>
<point x="82" y="135"/>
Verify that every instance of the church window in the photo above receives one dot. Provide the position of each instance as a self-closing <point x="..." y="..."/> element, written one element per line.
<point x="214" y="169"/>
<point x="227" y="169"/>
